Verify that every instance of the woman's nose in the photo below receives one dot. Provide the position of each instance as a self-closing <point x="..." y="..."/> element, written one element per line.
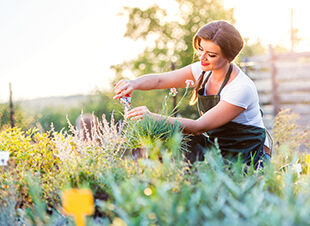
<point x="203" y="55"/>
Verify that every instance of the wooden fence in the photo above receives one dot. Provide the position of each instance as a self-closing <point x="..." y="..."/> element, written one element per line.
<point x="282" y="81"/>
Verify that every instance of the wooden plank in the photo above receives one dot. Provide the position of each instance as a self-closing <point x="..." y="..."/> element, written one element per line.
<point x="285" y="70"/>
<point x="259" y="59"/>
<point x="292" y="56"/>
<point x="274" y="72"/>
<point x="287" y="76"/>
<point x="302" y="109"/>
<point x="265" y="99"/>
<point x="263" y="86"/>
<point x="292" y="64"/>
<point x="294" y="72"/>
<point x="294" y="86"/>
<point x="297" y="98"/>
<point x="259" y="75"/>
<point x="255" y="63"/>
<point x="256" y="68"/>
<point x="267" y="109"/>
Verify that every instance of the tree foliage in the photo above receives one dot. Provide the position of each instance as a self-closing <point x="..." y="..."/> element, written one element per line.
<point x="21" y="120"/>
<point x="253" y="49"/>
<point x="171" y="39"/>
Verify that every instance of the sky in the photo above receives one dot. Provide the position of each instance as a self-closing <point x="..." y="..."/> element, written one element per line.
<point x="66" y="47"/>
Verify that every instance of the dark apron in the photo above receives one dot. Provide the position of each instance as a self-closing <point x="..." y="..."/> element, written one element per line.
<point x="233" y="138"/>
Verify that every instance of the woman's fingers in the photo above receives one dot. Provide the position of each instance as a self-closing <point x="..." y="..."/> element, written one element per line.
<point x="122" y="88"/>
<point x="119" y="85"/>
<point x="118" y="96"/>
<point x="134" y="113"/>
<point x="137" y="113"/>
<point x="137" y="118"/>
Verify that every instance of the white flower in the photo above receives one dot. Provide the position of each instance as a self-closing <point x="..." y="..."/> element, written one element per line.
<point x="173" y="92"/>
<point x="4" y="157"/>
<point x="298" y="169"/>
<point x="189" y="83"/>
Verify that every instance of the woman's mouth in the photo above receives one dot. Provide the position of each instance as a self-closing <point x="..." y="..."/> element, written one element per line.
<point x="204" y="64"/>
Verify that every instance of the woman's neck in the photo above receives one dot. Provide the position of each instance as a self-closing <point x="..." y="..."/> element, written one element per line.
<point x="219" y="75"/>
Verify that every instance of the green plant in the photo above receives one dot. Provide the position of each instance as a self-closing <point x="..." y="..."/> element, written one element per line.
<point x="31" y="151"/>
<point x="158" y="135"/>
<point x="159" y="191"/>
<point x="150" y="133"/>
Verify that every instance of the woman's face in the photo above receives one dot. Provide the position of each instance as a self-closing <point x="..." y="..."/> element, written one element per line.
<point x="210" y="56"/>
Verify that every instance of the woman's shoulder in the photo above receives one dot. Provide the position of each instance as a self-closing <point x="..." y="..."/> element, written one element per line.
<point x="241" y="80"/>
<point x="196" y="69"/>
<point x="242" y="85"/>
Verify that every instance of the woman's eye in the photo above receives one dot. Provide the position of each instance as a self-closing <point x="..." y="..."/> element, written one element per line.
<point x="211" y="55"/>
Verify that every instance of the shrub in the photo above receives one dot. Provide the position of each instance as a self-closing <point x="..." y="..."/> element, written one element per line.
<point x="163" y="191"/>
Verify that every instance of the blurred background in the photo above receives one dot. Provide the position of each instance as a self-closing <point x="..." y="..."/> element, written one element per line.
<point x="60" y="58"/>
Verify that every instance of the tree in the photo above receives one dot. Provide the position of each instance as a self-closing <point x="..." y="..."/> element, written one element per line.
<point x="173" y="39"/>
<point x="22" y="120"/>
<point x="253" y="49"/>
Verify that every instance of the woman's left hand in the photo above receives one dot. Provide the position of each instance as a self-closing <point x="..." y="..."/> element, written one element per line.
<point x="138" y="113"/>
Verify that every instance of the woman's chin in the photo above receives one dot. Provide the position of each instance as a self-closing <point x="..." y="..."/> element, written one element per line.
<point x="205" y="67"/>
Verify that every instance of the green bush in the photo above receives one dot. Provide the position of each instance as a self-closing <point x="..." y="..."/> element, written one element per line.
<point x="152" y="191"/>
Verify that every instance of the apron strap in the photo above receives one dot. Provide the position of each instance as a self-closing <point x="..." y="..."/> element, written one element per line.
<point x="227" y="77"/>
<point x="206" y="80"/>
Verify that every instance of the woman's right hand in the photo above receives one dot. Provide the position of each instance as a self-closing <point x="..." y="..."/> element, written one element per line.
<point x="123" y="87"/>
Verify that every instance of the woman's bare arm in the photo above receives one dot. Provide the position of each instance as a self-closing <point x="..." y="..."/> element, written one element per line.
<point x="218" y="116"/>
<point x="164" y="80"/>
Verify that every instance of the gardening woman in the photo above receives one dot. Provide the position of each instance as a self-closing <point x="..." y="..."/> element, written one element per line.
<point x="227" y="99"/>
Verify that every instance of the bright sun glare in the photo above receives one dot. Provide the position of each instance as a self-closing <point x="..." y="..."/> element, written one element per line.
<point x="270" y="21"/>
<point x="51" y="48"/>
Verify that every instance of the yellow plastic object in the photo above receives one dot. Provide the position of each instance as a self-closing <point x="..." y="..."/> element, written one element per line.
<point x="78" y="203"/>
<point x="308" y="163"/>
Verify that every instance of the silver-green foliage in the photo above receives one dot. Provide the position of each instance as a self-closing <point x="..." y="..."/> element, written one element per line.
<point x="150" y="133"/>
<point x="209" y="194"/>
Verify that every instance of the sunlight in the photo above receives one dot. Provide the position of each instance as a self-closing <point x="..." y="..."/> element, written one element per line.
<point x="270" y="21"/>
<point x="44" y="57"/>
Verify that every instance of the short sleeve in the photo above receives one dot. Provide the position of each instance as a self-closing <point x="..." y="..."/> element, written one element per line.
<point x="242" y="96"/>
<point x="196" y="70"/>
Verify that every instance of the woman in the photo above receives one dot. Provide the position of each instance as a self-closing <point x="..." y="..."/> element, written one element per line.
<point x="227" y="99"/>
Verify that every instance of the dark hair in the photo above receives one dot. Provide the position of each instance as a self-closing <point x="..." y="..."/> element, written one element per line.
<point x="226" y="36"/>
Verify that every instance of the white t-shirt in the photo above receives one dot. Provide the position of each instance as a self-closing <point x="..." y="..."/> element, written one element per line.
<point x="241" y="92"/>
